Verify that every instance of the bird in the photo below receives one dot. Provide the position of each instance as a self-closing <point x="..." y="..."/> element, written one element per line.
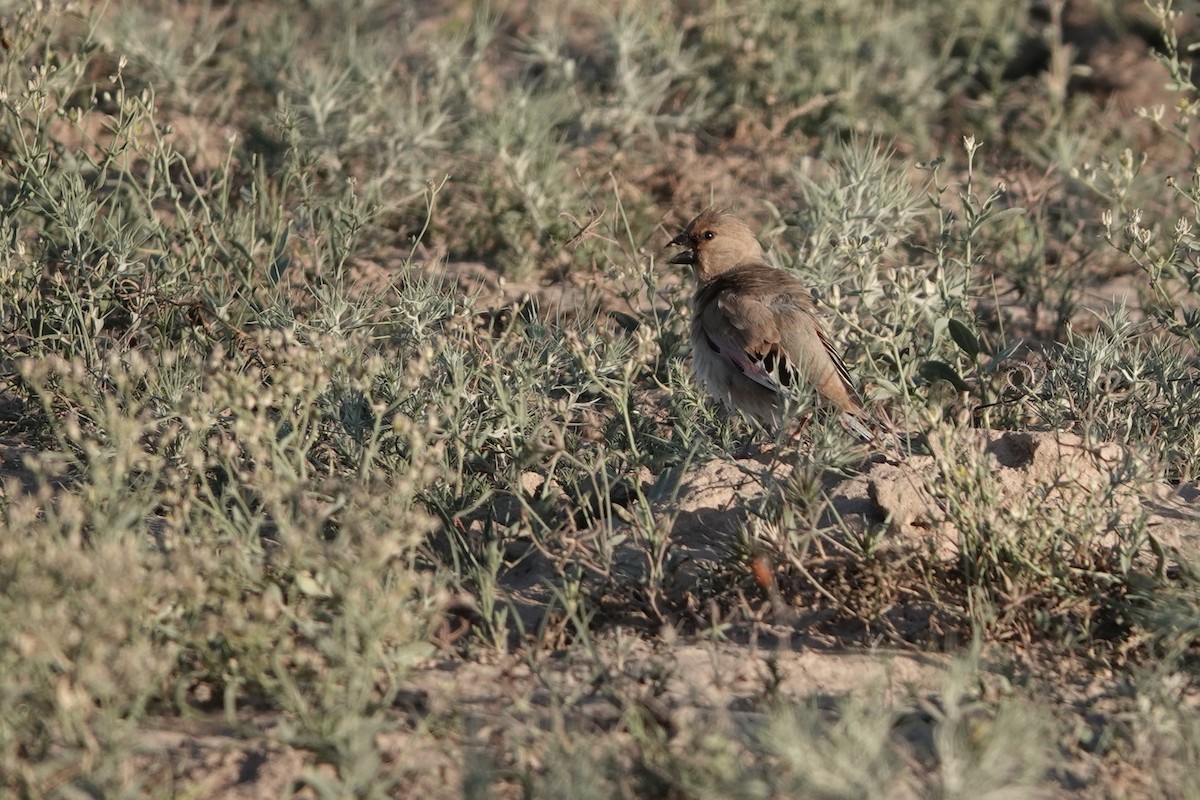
<point x="757" y="342"/>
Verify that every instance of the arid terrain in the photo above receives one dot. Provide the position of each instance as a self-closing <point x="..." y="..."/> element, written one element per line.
<point x="349" y="446"/>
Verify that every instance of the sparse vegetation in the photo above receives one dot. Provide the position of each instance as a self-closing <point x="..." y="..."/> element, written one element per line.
<point x="348" y="447"/>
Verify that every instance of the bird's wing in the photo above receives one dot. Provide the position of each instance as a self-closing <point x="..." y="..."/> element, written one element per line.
<point x="744" y="332"/>
<point x="808" y="347"/>
<point x="775" y="340"/>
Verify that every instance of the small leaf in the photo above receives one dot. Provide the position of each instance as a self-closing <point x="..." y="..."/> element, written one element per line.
<point x="309" y="586"/>
<point x="1007" y="213"/>
<point x="627" y="321"/>
<point x="965" y="340"/>
<point x="281" y="259"/>
<point x="278" y="267"/>
<point x="882" y="389"/>
<point x="1160" y="557"/>
<point x="939" y="370"/>
<point x="996" y="361"/>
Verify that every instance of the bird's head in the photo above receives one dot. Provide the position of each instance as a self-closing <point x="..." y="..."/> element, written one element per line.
<point x="716" y="242"/>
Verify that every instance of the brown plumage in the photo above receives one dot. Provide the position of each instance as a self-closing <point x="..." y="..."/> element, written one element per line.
<point x="756" y="339"/>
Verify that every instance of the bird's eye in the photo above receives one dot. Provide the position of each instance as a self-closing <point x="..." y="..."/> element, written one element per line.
<point x="709" y="234"/>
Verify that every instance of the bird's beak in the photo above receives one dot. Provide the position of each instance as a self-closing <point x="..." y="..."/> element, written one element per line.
<point x="688" y="256"/>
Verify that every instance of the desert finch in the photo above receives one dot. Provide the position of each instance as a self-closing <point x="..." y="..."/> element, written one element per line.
<point x="756" y="340"/>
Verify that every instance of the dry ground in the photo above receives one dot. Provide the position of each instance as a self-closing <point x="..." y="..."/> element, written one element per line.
<point x="736" y="625"/>
<point x="459" y="707"/>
